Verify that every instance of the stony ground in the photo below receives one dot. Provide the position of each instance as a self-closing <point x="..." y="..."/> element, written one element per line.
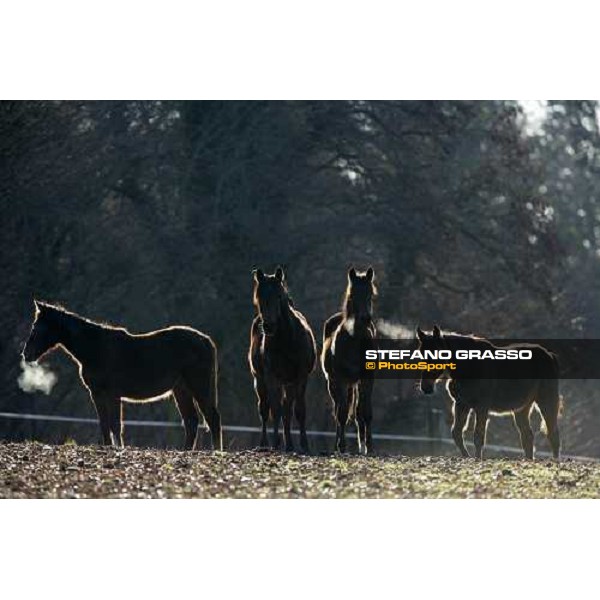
<point x="33" y="470"/>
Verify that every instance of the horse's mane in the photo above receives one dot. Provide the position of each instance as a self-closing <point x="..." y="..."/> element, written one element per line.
<point x="465" y="339"/>
<point x="62" y="312"/>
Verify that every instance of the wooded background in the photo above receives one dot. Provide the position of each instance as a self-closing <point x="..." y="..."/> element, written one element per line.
<point x="149" y="213"/>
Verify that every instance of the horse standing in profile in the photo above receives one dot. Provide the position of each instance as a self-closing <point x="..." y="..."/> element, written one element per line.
<point x="116" y="365"/>
<point x="479" y="387"/>
<point x="346" y="335"/>
<point x="282" y="355"/>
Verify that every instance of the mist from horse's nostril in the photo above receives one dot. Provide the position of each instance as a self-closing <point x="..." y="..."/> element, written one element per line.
<point x="35" y="377"/>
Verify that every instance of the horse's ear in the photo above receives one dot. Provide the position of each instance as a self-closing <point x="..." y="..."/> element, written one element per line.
<point x="420" y="334"/>
<point x="370" y="274"/>
<point x="436" y="331"/>
<point x="258" y="275"/>
<point x="279" y="274"/>
<point x="351" y="274"/>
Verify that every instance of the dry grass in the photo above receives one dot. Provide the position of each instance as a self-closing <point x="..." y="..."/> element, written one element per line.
<point x="33" y="470"/>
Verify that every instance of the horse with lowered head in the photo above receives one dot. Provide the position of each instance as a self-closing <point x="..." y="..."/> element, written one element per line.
<point x="116" y="365"/>
<point x="346" y="335"/>
<point x="282" y="355"/>
<point x="481" y="388"/>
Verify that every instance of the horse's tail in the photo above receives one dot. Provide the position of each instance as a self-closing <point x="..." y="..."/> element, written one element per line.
<point x="556" y="373"/>
<point x="214" y="376"/>
<point x="215" y="426"/>
<point x="549" y="400"/>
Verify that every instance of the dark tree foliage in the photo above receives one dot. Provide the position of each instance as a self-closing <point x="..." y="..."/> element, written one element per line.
<point x="151" y="213"/>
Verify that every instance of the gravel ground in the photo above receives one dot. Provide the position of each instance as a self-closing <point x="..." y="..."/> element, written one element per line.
<point x="33" y="470"/>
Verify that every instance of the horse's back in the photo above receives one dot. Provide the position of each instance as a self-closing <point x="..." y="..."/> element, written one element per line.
<point x="309" y="345"/>
<point x="545" y="362"/>
<point x="180" y="339"/>
<point x="341" y="356"/>
<point x="147" y="365"/>
<point x="507" y="386"/>
<point x="331" y="325"/>
<point x="155" y="359"/>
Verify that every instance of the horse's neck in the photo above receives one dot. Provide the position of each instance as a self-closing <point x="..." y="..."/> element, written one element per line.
<point x="460" y="342"/>
<point x="288" y="320"/>
<point x="76" y="336"/>
<point x="289" y="325"/>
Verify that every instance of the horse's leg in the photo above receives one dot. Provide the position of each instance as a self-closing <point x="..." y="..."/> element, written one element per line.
<point x="200" y="385"/>
<point x="115" y="417"/>
<point x="275" y="394"/>
<point x="521" y="418"/>
<point x="213" y="419"/>
<point x="340" y="403"/>
<point x="101" y="404"/>
<point x="184" y="400"/>
<point x="352" y="402"/>
<point x="122" y="422"/>
<point x="481" y="423"/>
<point x="548" y="402"/>
<point x="364" y="414"/>
<point x="461" y="414"/>
<point x="361" y="427"/>
<point x="263" y="407"/>
<point x="300" y="414"/>
<point x="288" y="398"/>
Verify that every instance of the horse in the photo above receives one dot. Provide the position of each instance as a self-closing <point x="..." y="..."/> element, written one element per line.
<point x="485" y="392"/>
<point x="346" y="334"/>
<point x="116" y="365"/>
<point x="281" y="357"/>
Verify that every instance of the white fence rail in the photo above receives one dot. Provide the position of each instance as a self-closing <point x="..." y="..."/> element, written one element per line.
<point x="388" y="437"/>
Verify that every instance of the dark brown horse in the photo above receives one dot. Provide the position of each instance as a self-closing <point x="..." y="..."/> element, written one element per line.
<point x="485" y="392"/>
<point x="116" y="365"/>
<point x="282" y="355"/>
<point x="345" y="337"/>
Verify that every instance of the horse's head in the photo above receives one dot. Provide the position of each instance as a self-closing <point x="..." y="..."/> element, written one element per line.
<point x="270" y="296"/>
<point x="430" y="341"/>
<point x="43" y="336"/>
<point x="359" y="295"/>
